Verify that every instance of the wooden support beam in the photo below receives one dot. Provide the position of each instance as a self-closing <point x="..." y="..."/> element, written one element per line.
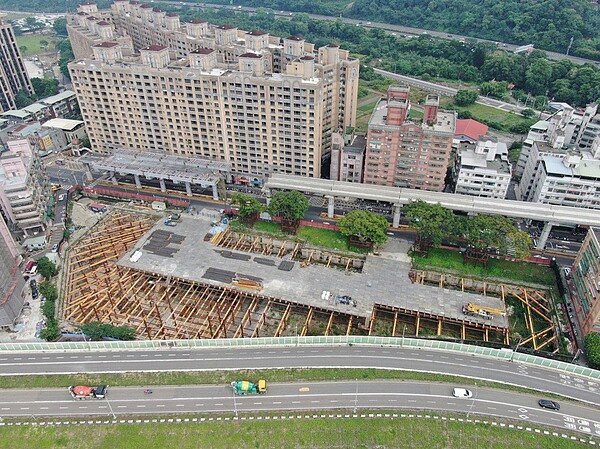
<point x="283" y="322"/>
<point x="417" y="324"/>
<point x="463" y="333"/>
<point x="395" y="324"/>
<point x="439" y="328"/>
<point x="307" y="321"/>
<point x="349" y="328"/>
<point x="372" y="320"/>
<point x="329" y="324"/>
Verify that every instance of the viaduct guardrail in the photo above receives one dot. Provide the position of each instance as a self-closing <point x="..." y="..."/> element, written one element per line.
<point x="402" y="342"/>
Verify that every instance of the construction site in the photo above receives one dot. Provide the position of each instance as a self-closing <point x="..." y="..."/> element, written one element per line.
<point x="196" y="278"/>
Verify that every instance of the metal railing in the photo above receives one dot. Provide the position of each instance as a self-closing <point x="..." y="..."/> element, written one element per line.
<point x="415" y="343"/>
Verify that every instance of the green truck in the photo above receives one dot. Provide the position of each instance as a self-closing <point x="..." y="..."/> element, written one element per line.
<point x="246" y="387"/>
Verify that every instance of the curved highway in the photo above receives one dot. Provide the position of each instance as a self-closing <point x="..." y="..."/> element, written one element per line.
<point x="434" y="361"/>
<point x="349" y="395"/>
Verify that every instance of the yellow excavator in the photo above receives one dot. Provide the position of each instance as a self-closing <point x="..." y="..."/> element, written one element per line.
<point x="481" y="311"/>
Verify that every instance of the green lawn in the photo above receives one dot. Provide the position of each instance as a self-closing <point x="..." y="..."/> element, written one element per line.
<point x="516" y="271"/>
<point x="488" y="114"/>
<point x="406" y="433"/>
<point x="323" y="238"/>
<point x="33" y="44"/>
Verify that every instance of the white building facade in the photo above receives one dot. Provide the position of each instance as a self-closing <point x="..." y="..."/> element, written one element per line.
<point x="484" y="171"/>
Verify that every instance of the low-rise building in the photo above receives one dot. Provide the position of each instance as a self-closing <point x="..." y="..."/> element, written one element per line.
<point x="586" y="282"/>
<point x="24" y="189"/>
<point x="561" y="178"/>
<point x="347" y="161"/>
<point x="469" y="131"/>
<point x="62" y="105"/>
<point x="72" y="129"/>
<point x="484" y="171"/>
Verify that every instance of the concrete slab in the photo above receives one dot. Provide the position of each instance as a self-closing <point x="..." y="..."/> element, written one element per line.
<point x="384" y="279"/>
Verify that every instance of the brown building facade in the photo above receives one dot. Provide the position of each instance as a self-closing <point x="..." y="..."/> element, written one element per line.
<point x="405" y="153"/>
<point x="261" y="103"/>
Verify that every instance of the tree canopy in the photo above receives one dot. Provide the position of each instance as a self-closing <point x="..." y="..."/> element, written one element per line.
<point x="45" y="267"/>
<point x="465" y="97"/>
<point x="434" y="223"/>
<point x="248" y="205"/>
<point x="592" y="349"/>
<point x="431" y="221"/>
<point x="97" y="331"/>
<point x="549" y="24"/>
<point x="289" y="205"/>
<point x="365" y="225"/>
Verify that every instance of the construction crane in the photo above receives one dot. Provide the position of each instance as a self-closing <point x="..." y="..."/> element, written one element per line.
<point x="484" y="312"/>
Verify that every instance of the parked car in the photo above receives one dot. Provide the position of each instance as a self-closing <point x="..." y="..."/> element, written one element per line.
<point x="61" y="197"/>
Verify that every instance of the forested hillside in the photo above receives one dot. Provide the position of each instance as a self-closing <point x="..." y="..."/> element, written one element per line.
<point x="548" y="24"/>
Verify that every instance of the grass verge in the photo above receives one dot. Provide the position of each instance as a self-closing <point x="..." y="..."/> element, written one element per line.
<point x="514" y="271"/>
<point x="226" y="377"/>
<point x="323" y="238"/>
<point x="296" y="433"/>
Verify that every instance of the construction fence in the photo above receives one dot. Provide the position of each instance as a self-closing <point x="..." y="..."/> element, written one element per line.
<point x="413" y="343"/>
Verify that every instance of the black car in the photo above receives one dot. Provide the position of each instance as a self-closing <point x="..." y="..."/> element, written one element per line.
<point x="551" y="405"/>
<point x="33" y="284"/>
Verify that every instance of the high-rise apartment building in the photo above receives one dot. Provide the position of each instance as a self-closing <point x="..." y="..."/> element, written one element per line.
<point x="586" y="282"/>
<point x="11" y="280"/>
<point x="261" y="103"/>
<point x="13" y="76"/>
<point x="405" y="153"/>
<point x="24" y="189"/>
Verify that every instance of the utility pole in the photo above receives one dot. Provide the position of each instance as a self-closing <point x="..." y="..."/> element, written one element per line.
<point x="570" y="43"/>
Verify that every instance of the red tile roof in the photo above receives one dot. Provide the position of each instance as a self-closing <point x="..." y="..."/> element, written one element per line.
<point x="470" y="128"/>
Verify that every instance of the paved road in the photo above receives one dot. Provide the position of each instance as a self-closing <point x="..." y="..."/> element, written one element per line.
<point x="297" y="357"/>
<point x="352" y="395"/>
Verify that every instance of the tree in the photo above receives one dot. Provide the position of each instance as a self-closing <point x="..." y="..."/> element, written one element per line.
<point x="528" y="113"/>
<point x="365" y="225"/>
<point x="60" y="26"/>
<point x="494" y="89"/>
<point x="431" y="221"/>
<point x="44" y="87"/>
<point x="538" y="76"/>
<point x="520" y="127"/>
<point x="249" y="206"/>
<point x="23" y="99"/>
<point x="465" y="97"/>
<point x="48" y="291"/>
<point x="23" y="49"/>
<point x="51" y="332"/>
<point x="289" y="205"/>
<point x="46" y="268"/>
<point x="44" y="44"/>
<point x="591" y="343"/>
<point x="497" y="231"/>
<point x="97" y="330"/>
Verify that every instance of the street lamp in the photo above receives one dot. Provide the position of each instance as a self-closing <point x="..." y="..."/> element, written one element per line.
<point x="516" y="349"/>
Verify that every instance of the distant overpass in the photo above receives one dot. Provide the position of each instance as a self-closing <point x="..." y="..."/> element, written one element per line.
<point x="397" y="197"/>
